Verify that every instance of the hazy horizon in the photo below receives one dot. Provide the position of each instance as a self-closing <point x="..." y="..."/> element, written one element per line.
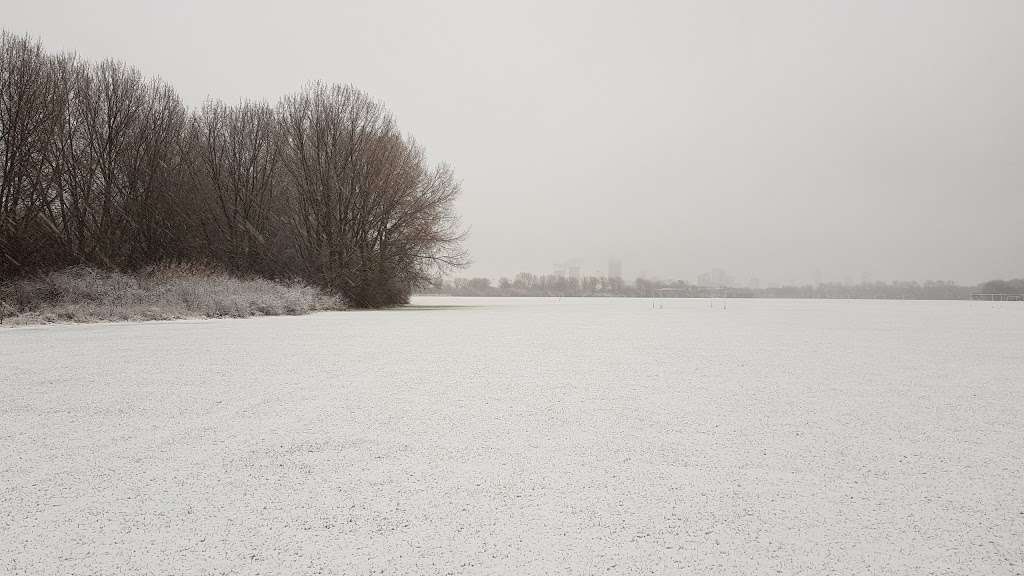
<point x="767" y="140"/>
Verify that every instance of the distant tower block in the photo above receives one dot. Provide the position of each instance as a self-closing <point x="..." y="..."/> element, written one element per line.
<point x="615" y="268"/>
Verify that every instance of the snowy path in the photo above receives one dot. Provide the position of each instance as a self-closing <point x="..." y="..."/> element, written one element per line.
<point x="521" y="437"/>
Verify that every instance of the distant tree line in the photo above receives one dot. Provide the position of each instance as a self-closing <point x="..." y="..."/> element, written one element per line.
<point x="1015" y="286"/>
<point x="102" y="166"/>
<point x="931" y="290"/>
<point x="525" y="284"/>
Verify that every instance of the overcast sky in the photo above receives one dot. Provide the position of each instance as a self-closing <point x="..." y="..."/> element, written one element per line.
<point x="766" y="138"/>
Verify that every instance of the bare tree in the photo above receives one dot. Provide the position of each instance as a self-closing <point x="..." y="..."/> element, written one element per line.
<point x="29" y="109"/>
<point x="115" y="151"/>
<point x="412" y="232"/>
<point x="369" y="218"/>
<point x="324" y="131"/>
<point x="231" y="164"/>
<point x="153" y="173"/>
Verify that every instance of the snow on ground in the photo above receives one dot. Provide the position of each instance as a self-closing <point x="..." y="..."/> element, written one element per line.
<point x="521" y="436"/>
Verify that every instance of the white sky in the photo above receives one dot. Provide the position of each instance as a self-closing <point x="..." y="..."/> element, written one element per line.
<point x="766" y="138"/>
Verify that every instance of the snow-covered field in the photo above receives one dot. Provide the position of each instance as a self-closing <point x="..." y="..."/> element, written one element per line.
<point x="521" y="436"/>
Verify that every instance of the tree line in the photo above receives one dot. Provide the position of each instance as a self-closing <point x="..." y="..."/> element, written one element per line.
<point x="526" y="284"/>
<point x="1014" y="286"/>
<point x="100" y="165"/>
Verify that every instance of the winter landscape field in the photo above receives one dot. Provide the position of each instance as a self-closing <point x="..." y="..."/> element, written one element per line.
<point x="521" y="436"/>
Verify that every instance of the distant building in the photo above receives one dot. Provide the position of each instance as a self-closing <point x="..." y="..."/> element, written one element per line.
<point x="569" y="269"/>
<point x="717" y="278"/>
<point x="615" y="269"/>
<point x="720" y="278"/>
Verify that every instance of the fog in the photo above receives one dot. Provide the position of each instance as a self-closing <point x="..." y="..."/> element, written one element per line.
<point x="788" y="141"/>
